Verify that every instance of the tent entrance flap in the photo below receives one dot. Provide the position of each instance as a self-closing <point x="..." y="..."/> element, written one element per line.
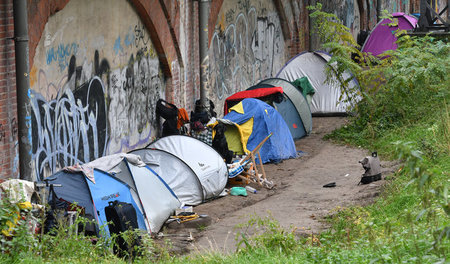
<point x="259" y="120"/>
<point x="234" y="140"/>
<point x="204" y="161"/>
<point x="177" y="174"/>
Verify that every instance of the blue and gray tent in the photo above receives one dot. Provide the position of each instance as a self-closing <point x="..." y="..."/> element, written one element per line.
<point x="123" y="181"/>
<point x="93" y="198"/>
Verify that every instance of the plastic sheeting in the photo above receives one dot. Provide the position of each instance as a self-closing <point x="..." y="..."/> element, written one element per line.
<point x="177" y="174"/>
<point x="327" y="99"/>
<point x="17" y="190"/>
<point x="207" y="164"/>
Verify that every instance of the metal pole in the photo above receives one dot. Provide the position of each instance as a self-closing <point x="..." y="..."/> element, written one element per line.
<point x="203" y="45"/>
<point x="22" y="86"/>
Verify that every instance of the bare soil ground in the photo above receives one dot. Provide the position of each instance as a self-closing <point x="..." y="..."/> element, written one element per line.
<point x="298" y="200"/>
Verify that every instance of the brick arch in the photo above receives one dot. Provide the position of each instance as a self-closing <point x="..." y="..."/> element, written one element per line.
<point x="216" y="5"/>
<point x="153" y="17"/>
<point x="150" y="12"/>
<point x="38" y="14"/>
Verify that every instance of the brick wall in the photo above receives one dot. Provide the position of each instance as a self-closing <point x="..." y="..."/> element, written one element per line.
<point x="38" y="14"/>
<point x="8" y="102"/>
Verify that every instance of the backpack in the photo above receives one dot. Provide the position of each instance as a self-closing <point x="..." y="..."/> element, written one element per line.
<point x="121" y="217"/>
<point x="166" y="110"/>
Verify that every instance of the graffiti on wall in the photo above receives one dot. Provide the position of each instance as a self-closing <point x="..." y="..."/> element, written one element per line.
<point x="133" y="92"/>
<point x="2" y="133"/>
<point x="96" y="112"/>
<point x="12" y="126"/>
<point x="396" y="6"/>
<point x="61" y="54"/>
<point x="93" y="109"/>
<point x="71" y="128"/>
<point x="244" y="51"/>
<point x="93" y="88"/>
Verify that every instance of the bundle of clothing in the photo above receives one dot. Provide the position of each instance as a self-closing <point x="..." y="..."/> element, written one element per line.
<point x="175" y="119"/>
<point x="200" y="117"/>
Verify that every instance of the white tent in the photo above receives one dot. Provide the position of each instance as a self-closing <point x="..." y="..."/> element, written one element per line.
<point x="327" y="99"/>
<point x="151" y="193"/>
<point x="177" y="174"/>
<point x="206" y="163"/>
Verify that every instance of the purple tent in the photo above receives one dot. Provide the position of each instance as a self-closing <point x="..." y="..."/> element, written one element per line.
<point x="383" y="38"/>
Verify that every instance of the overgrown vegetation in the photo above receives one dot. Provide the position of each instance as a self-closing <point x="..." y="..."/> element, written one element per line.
<point x="64" y="244"/>
<point x="403" y="114"/>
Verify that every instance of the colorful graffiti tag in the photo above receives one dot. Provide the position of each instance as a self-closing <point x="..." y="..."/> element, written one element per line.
<point x="61" y="54"/>
<point x="88" y="119"/>
<point x="92" y="109"/>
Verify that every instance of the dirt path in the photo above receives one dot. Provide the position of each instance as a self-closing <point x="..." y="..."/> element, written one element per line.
<point x="299" y="200"/>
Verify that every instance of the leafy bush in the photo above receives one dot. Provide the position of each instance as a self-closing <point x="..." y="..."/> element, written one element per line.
<point x="15" y="237"/>
<point x="404" y="115"/>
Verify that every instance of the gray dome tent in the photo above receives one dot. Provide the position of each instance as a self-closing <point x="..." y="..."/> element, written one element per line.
<point x="207" y="164"/>
<point x="177" y="174"/>
<point x="294" y="103"/>
<point x="327" y="99"/>
<point x="154" y="198"/>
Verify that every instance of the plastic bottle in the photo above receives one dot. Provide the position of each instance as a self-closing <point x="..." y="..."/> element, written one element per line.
<point x="250" y="189"/>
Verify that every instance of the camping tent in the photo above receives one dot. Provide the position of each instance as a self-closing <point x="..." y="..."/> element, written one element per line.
<point x="327" y="98"/>
<point x="177" y="174"/>
<point x="294" y="108"/>
<point x="156" y="198"/>
<point x="206" y="163"/>
<point x="252" y="120"/>
<point x="122" y="177"/>
<point x="268" y="94"/>
<point x="93" y="197"/>
<point x="293" y="114"/>
<point x="382" y="37"/>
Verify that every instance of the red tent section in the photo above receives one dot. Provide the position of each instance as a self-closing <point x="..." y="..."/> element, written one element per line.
<point x="255" y="93"/>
